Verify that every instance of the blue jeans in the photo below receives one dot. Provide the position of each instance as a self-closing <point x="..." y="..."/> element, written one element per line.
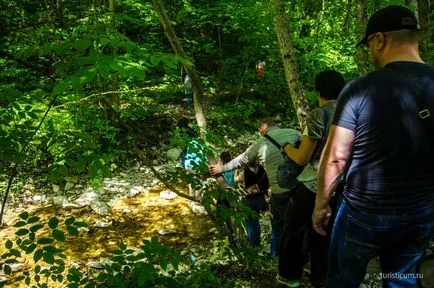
<point x="400" y="241"/>
<point x="256" y="203"/>
<point x="279" y="202"/>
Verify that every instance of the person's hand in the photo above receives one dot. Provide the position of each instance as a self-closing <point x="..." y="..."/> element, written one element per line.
<point x="320" y="219"/>
<point x="215" y="169"/>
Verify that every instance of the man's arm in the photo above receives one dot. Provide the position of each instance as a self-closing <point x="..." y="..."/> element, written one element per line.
<point x="247" y="157"/>
<point x="303" y="154"/>
<point x="334" y="160"/>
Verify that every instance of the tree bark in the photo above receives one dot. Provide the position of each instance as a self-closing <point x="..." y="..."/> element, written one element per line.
<point x="362" y="20"/>
<point x="198" y="99"/>
<point x="423" y="10"/>
<point x="281" y="21"/>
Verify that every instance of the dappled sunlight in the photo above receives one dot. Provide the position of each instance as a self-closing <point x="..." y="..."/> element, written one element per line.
<point x="133" y="219"/>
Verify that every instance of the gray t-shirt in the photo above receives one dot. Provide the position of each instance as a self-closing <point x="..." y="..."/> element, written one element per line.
<point x="265" y="153"/>
<point x="315" y="130"/>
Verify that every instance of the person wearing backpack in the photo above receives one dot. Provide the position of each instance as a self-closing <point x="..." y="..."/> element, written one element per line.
<point x="298" y="221"/>
<point x="264" y="152"/>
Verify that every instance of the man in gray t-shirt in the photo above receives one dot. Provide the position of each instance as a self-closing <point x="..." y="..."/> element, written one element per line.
<point x="267" y="154"/>
<point x="298" y="219"/>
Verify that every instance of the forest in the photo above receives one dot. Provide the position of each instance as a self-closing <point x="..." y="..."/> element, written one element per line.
<point x="91" y="91"/>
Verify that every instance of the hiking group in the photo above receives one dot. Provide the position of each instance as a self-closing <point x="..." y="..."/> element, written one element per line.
<point x="358" y="182"/>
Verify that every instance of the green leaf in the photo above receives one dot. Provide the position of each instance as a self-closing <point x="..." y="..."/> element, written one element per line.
<point x="45" y="241"/>
<point x="51" y="249"/>
<point x="38" y="255"/>
<point x="53" y="222"/>
<point x="80" y="224"/>
<point x="72" y="230"/>
<point x="32" y="236"/>
<point x="36" y="227"/>
<point x="37" y="269"/>
<point x="61" y="87"/>
<point x="24" y="215"/>
<point x="28" y="280"/>
<point x="37" y="278"/>
<point x="15" y="252"/>
<point x="33" y="219"/>
<point x="69" y="220"/>
<point x="48" y="258"/>
<point x="9" y="244"/>
<point x="20" y="224"/>
<point x="31" y="248"/>
<point x="22" y="232"/>
<point x="122" y="246"/>
<point x="58" y="235"/>
<point x="163" y="264"/>
<point x="7" y="269"/>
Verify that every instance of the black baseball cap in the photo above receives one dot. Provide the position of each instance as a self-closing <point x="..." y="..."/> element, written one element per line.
<point x="391" y="18"/>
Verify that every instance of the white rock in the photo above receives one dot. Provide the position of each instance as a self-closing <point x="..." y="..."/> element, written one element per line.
<point x="69" y="206"/>
<point x="102" y="224"/>
<point x="56" y="188"/>
<point x="154" y="182"/>
<point x="105" y="261"/>
<point x="197" y="208"/>
<point x="126" y="211"/>
<point x="73" y="264"/>
<point x="136" y="190"/>
<point x="167" y="231"/>
<point x="95" y="265"/>
<point x="59" y="200"/>
<point x="39" y="198"/>
<point x="168" y="195"/>
<point x="83" y="229"/>
<point x="16" y="267"/>
<point x="3" y="278"/>
<point x="87" y="197"/>
<point x="69" y="186"/>
<point x="100" y="207"/>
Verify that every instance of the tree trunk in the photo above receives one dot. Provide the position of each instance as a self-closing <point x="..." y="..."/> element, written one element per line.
<point x="362" y="20"/>
<point x="408" y="2"/>
<point x="177" y="47"/>
<point x="297" y="94"/>
<point x="423" y="9"/>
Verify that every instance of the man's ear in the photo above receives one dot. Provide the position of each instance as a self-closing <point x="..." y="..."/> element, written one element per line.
<point x="380" y="41"/>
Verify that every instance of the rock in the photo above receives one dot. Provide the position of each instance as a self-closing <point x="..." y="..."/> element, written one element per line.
<point x="83" y="229"/>
<point x="168" y="195"/>
<point x="105" y="261"/>
<point x="75" y="265"/>
<point x="136" y="190"/>
<point x="59" y="200"/>
<point x="69" y="186"/>
<point x="39" y="198"/>
<point x="154" y="182"/>
<point x="126" y="211"/>
<point x="3" y="279"/>
<point x="70" y="206"/>
<point x="102" y="224"/>
<point x="79" y="186"/>
<point x="99" y="207"/>
<point x="167" y="231"/>
<point x="155" y="162"/>
<point x="16" y="267"/>
<point x="87" y="198"/>
<point x="95" y="265"/>
<point x="173" y="154"/>
<point x="56" y="188"/>
<point x="197" y="208"/>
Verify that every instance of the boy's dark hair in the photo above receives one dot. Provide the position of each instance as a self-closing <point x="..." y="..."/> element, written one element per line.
<point x="329" y="84"/>
<point x="225" y="157"/>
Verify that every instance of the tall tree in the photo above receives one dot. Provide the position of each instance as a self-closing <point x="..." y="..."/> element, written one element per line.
<point x="287" y="51"/>
<point x="424" y="10"/>
<point x="177" y="47"/>
<point x="362" y="19"/>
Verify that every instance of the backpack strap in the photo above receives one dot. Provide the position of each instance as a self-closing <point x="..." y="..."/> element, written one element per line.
<point x="326" y="117"/>
<point x="278" y="146"/>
